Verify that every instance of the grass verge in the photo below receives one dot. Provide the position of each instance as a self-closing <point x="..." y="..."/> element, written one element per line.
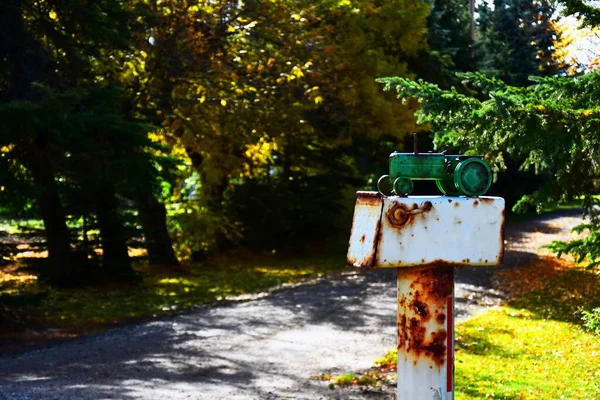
<point x="31" y="304"/>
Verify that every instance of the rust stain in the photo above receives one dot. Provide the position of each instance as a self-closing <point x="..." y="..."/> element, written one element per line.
<point x="370" y="261"/>
<point x="367" y="262"/>
<point x="428" y="290"/>
<point x="440" y="263"/>
<point x="456" y="204"/>
<point x="440" y="319"/>
<point x="402" y="332"/>
<point x="402" y="301"/>
<point x="416" y="335"/>
<point x="426" y="206"/>
<point x="449" y="200"/>
<point x="362" y="238"/>
<point x="400" y="215"/>
<point x="476" y="203"/>
<point x="486" y="199"/>
<point x="373" y="199"/>
<point x="436" y="348"/>
<point x="419" y="307"/>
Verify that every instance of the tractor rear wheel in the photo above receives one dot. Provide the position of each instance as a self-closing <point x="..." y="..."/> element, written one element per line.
<point x="473" y="177"/>
<point x="447" y="187"/>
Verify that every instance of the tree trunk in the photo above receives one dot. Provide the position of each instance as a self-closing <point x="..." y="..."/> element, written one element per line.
<point x="25" y="61"/>
<point x="115" y="257"/>
<point x="154" y="223"/>
<point x="58" y="241"/>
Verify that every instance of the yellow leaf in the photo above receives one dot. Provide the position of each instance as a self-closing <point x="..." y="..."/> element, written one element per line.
<point x="223" y="103"/>
<point x="230" y="28"/>
<point x="52" y="15"/>
<point x="318" y="100"/>
<point x="202" y="99"/>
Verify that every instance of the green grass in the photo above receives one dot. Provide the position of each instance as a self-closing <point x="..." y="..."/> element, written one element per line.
<point x="161" y="292"/>
<point x="513" y="354"/>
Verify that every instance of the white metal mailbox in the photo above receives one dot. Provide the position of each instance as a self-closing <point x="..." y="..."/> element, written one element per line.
<point x="426" y="230"/>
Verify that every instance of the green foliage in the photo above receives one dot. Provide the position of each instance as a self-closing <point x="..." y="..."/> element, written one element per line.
<point x="389" y="361"/>
<point x="591" y="320"/>
<point x="551" y="125"/>
<point x="450" y="47"/>
<point x="273" y="104"/>
<point x="517" y="39"/>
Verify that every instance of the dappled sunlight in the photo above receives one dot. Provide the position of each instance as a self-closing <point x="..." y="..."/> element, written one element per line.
<point x="31" y="253"/>
<point x="520" y="279"/>
<point x="162" y="292"/>
<point x="15" y="281"/>
<point x="19" y="277"/>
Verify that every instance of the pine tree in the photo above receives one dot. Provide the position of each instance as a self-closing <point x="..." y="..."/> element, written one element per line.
<point x="516" y="40"/>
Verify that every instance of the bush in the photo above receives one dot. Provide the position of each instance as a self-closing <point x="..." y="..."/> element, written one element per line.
<point x="591" y="320"/>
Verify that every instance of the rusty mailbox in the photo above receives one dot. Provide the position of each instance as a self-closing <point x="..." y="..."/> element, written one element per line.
<point x="426" y="237"/>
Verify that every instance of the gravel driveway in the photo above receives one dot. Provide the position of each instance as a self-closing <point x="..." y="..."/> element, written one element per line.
<point x="267" y="348"/>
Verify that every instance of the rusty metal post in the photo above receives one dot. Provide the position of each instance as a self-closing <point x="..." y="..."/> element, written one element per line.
<point x="425" y="238"/>
<point x="425" y="333"/>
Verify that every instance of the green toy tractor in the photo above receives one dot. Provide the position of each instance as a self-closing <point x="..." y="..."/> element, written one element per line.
<point x="454" y="175"/>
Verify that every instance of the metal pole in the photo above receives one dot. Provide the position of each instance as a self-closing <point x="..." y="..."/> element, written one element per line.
<point x="426" y="333"/>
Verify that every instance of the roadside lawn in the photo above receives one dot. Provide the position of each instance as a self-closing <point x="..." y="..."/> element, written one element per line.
<point x="535" y="347"/>
<point x="31" y="311"/>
